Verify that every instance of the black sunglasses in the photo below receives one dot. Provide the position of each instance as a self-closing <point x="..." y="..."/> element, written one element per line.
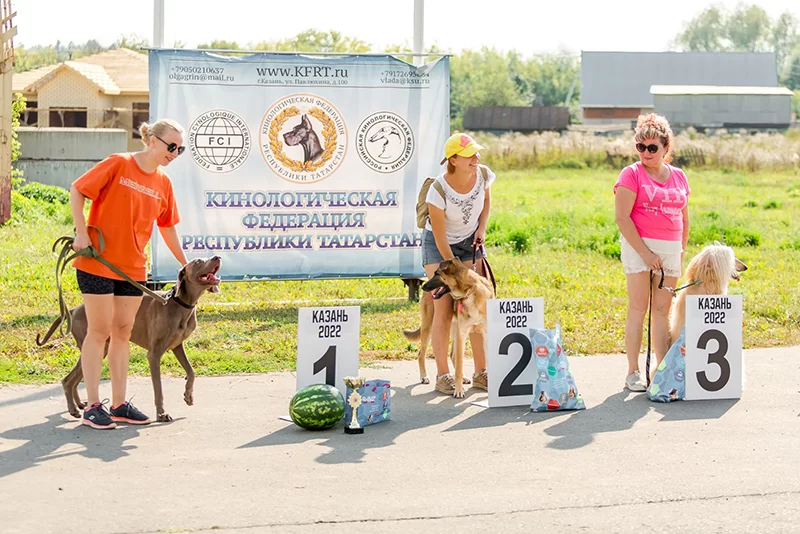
<point x="172" y="147"/>
<point x="641" y="147"/>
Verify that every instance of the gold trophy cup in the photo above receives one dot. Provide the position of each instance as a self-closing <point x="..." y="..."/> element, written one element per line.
<point x="354" y="400"/>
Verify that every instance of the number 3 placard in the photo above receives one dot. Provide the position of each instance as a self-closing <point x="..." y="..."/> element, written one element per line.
<point x="327" y="345"/>
<point x="713" y="347"/>
<point x="509" y="362"/>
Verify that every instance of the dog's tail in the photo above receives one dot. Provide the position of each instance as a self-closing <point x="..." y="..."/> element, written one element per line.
<point x="413" y="335"/>
<point x="49" y="333"/>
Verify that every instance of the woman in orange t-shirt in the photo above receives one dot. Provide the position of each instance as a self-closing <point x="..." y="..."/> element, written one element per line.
<point x="129" y="192"/>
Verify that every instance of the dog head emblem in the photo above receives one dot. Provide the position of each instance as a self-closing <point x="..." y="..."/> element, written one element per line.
<point x="299" y="132"/>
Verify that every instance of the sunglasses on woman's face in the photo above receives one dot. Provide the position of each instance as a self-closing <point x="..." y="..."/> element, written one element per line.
<point x="172" y="147"/>
<point x="641" y="147"/>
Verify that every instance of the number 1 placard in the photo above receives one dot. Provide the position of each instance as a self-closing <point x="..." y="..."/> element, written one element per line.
<point x="511" y="370"/>
<point x="327" y="345"/>
<point x="713" y="347"/>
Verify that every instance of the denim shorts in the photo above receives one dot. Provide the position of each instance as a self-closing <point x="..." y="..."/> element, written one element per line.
<point x="461" y="250"/>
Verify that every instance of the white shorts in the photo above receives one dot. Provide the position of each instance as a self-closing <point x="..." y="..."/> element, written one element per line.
<point x="669" y="251"/>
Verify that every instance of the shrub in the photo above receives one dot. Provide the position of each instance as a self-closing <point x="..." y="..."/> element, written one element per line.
<point x="731" y="152"/>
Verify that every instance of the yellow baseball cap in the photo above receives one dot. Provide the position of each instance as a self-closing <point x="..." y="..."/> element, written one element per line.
<point x="460" y="144"/>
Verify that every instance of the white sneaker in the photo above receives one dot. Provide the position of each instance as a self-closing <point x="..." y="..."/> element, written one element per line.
<point x="634" y="382"/>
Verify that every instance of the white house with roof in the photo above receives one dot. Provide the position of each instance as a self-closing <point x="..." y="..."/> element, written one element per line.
<point x="106" y="90"/>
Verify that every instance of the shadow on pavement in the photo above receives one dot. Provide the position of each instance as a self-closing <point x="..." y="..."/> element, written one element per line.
<point x="409" y="412"/>
<point x="36" y="395"/>
<point x="50" y="439"/>
<point x="620" y="411"/>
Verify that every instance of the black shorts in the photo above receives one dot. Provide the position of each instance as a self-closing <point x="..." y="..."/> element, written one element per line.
<point x="91" y="284"/>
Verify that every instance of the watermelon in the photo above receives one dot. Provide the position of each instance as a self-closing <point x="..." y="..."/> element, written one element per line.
<point x="317" y="407"/>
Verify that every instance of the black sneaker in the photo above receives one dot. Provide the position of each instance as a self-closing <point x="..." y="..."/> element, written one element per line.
<point x="128" y="413"/>
<point x="97" y="417"/>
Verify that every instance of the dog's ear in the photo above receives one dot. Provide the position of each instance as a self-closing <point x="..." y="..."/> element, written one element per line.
<point x="305" y="122"/>
<point x="181" y="277"/>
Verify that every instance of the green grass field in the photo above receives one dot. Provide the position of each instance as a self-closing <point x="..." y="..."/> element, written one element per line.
<point x="552" y="234"/>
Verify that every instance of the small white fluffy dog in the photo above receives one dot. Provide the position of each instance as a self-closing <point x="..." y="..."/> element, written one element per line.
<point x="715" y="266"/>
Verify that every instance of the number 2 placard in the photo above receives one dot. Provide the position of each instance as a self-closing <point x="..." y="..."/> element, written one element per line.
<point x="509" y="362"/>
<point x="713" y="347"/>
<point x="327" y="345"/>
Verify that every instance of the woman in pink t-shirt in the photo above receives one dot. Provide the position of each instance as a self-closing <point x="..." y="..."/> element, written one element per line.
<point x="651" y="201"/>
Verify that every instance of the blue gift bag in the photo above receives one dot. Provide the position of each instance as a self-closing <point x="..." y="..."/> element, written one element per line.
<point x="376" y="396"/>
<point x="555" y="385"/>
<point x="669" y="382"/>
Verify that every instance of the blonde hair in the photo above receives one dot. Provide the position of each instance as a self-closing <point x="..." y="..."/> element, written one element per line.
<point x="655" y="125"/>
<point x="158" y="128"/>
<point x="450" y="167"/>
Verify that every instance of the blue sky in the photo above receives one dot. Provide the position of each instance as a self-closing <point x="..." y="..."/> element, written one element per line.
<point x="527" y="26"/>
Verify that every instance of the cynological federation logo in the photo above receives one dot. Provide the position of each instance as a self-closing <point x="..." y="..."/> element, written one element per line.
<point x="385" y="142"/>
<point x="303" y="138"/>
<point x="219" y="141"/>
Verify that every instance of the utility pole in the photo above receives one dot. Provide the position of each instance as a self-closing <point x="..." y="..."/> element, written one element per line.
<point x="158" y="23"/>
<point x="7" y="32"/>
<point x="419" y="31"/>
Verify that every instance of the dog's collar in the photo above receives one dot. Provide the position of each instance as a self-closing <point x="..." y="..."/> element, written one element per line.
<point x="174" y="296"/>
<point x="458" y="303"/>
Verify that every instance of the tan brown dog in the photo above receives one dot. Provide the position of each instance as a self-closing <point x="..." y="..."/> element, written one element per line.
<point x="470" y="291"/>
<point x="157" y="328"/>
<point x="712" y="268"/>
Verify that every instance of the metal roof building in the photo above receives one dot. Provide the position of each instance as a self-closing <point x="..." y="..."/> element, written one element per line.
<point x="615" y="86"/>
<point x="516" y="119"/>
<point x="708" y="106"/>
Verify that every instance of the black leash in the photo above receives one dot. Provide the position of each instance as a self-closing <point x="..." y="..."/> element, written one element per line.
<point x="675" y="291"/>
<point x="650" y="308"/>
<point x="649" y="315"/>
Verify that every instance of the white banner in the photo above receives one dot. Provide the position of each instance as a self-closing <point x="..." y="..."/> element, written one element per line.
<point x="509" y="357"/>
<point x="714" y="363"/>
<point x="299" y="167"/>
<point x="327" y="345"/>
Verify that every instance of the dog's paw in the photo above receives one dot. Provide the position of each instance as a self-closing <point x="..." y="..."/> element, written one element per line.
<point x="188" y="397"/>
<point x="80" y="404"/>
<point x="424" y="380"/>
<point x="458" y="394"/>
<point x="466" y="380"/>
<point x="164" y="418"/>
<point x="74" y="412"/>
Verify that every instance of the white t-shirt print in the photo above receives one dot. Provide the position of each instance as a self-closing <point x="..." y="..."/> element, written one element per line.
<point x="462" y="212"/>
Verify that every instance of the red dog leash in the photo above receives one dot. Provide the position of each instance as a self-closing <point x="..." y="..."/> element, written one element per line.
<point x="486" y="267"/>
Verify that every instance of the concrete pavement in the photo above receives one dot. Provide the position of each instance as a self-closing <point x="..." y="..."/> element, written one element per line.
<point x="229" y="464"/>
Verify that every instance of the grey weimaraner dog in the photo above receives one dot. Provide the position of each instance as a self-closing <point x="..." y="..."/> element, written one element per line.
<point x="157" y="328"/>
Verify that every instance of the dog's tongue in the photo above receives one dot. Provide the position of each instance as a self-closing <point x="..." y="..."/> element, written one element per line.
<point x="210" y="278"/>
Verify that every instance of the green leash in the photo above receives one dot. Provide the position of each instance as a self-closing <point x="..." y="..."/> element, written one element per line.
<point x="66" y="255"/>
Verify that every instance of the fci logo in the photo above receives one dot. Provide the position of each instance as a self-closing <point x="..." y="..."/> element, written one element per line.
<point x="219" y="141"/>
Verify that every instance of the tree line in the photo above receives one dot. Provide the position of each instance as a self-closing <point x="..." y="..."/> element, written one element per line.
<point x="488" y="77"/>
<point x="747" y="28"/>
<point x="484" y="77"/>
